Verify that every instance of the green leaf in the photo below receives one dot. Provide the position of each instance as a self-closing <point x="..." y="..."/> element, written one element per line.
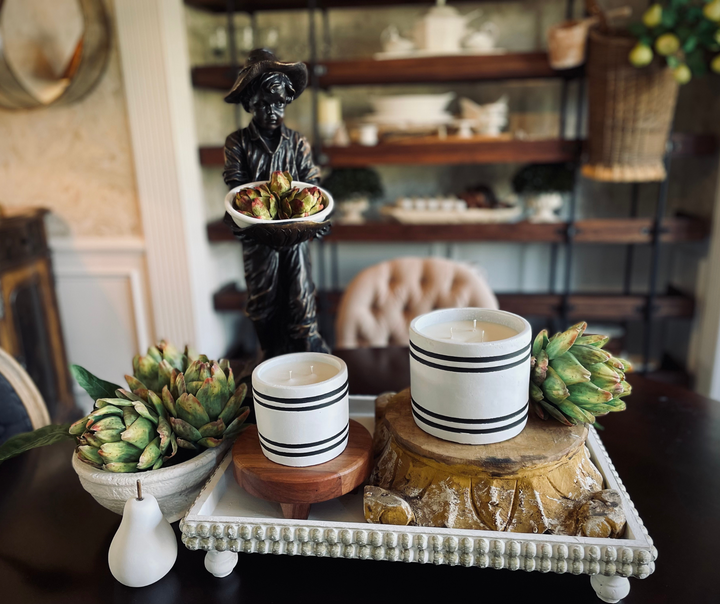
<point x="93" y="385"/>
<point x="31" y="440"/>
<point x="672" y="61"/>
<point x="638" y="29"/>
<point x="669" y="17"/>
<point x="690" y="44"/>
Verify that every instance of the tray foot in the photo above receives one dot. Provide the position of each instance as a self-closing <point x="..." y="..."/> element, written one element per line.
<point x="610" y="589"/>
<point x="220" y="564"/>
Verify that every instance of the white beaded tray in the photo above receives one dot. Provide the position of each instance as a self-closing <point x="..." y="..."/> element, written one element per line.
<point x="225" y="520"/>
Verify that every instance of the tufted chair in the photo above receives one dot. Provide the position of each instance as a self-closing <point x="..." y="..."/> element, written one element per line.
<point x="381" y="300"/>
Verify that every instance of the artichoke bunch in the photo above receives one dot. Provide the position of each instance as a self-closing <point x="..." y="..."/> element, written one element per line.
<point x="173" y="401"/>
<point x="573" y="379"/>
<point x="279" y="199"/>
<point x="125" y="434"/>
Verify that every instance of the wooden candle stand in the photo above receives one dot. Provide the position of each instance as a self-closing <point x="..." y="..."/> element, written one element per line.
<point x="296" y="489"/>
<point x="541" y="481"/>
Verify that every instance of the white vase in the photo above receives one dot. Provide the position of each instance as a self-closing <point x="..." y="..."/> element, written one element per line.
<point x="543" y="207"/>
<point x="174" y="487"/>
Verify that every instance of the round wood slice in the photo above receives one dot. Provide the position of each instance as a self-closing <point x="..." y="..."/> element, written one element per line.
<point x="270" y="481"/>
<point x="540" y="443"/>
<point x="541" y="481"/>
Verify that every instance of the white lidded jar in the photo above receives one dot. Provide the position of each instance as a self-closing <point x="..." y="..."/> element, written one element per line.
<point x="302" y="408"/>
<point x="469" y="374"/>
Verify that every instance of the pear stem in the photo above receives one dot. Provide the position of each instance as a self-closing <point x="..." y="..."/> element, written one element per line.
<point x="139" y="489"/>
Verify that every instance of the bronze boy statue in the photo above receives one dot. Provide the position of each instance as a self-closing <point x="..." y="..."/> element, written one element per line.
<point x="281" y="294"/>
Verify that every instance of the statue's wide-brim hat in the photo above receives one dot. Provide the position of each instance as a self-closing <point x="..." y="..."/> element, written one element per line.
<point x="262" y="61"/>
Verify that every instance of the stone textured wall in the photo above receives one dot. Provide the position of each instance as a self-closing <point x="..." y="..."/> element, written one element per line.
<point x="75" y="160"/>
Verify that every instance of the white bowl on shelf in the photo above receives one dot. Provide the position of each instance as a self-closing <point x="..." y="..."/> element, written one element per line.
<point x="243" y="221"/>
<point x="415" y="108"/>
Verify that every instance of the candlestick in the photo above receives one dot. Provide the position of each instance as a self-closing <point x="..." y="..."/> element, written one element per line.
<point x="301" y="408"/>
<point x="469" y="370"/>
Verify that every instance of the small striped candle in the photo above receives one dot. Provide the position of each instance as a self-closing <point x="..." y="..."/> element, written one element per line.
<point x="469" y="374"/>
<point x="302" y="408"/>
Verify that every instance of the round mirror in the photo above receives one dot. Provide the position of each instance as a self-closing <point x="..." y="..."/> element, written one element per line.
<point x="51" y="51"/>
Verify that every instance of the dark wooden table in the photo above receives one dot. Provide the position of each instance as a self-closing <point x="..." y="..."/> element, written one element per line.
<point x="54" y="538"/>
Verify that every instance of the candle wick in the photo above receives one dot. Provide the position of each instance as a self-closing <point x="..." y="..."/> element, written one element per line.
<point x="451" y="334"/>
<point x="312" y="372"/>
<point x="482" y="335"/>
<point x="290" y="372"/>
<point x="474" y="324"/>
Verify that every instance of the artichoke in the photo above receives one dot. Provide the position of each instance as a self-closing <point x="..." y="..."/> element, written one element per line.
<point x="125" y="434"/>
<point x="573" y="379"/>
<point x="173" y="402"/>
<point x="259" y="202"/>
<point x="280" y="183"/>
<point x="300" y="203"/>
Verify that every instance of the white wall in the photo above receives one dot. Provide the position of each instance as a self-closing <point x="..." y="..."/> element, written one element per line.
<point x="104" y="306"/>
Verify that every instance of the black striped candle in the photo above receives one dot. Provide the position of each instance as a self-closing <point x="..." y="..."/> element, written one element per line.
<point x="301" y="407"/>
<point x="470" y="392"/>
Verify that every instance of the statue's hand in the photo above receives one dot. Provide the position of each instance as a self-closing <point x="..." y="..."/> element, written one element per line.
<point x="280" y="235"/>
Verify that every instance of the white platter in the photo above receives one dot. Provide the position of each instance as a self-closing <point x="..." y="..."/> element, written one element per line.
<point x="416" y="53"/>
<point x="468" y="216"/>
<point x="225" y="520"/>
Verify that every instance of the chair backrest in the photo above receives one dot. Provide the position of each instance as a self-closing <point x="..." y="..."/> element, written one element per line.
<point x="21" y="405"/>
<point x="381" y="300"/>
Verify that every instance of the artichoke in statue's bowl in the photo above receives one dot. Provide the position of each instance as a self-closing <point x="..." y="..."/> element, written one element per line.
<point x="574" y="380"/>
<point x="279" y="200"/>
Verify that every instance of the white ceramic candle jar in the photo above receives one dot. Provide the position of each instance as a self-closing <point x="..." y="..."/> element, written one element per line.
<point x="301" y="408"/>
<point x="469" y="374"/>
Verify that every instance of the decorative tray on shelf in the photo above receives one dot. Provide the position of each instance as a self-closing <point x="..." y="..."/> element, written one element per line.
<point x="468" y="216"/>
<point x="225" y="520"/>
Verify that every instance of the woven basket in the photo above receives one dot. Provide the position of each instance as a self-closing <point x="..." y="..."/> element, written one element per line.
<point x="630" y="113"/>
<point x="566" y="44"/>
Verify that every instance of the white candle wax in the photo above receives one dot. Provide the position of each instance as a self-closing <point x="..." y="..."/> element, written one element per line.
<point x="469" y="331"/>
<point x="298" y="373"/>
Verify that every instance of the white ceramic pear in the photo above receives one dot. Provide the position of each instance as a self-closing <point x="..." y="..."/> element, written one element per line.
<point x="144" y="548"/>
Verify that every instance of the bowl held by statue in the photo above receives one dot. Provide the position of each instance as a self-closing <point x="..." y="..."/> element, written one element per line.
<point x="242" y="221"/>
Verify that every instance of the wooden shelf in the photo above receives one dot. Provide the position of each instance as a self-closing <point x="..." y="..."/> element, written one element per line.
<point x="250" y="6"/>
<point x="360" y="72"/>
<point x="581" y="306"/>
<point x="436" y="153"/>
<point x="472" y="152"/>
<point x="598" y="230"/>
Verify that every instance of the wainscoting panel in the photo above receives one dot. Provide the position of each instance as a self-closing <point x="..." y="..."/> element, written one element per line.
<point x="104" y="304"/>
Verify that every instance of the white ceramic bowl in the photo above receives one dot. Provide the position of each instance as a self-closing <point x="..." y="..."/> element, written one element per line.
<point x="411" y="107"/>
<point x="245" y="221"/>
<point x="174" y="487"/>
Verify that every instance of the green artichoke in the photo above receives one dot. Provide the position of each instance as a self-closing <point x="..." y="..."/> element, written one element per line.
<point x="202" y="402"/>
<point x="280" y="183"/>
<point x="300" y="203"/>
<point x="125" y="434"/>
<point x="573" y="379"/>
<point x="259" y="202"/>
<point x="173" y="402"/>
